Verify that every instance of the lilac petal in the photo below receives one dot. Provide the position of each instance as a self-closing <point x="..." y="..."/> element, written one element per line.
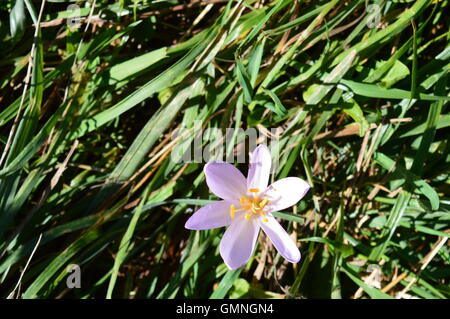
<point x="259" y="171"/>
<point x="285" y="192"/>
<point x="238" y="242"/>
<point x="213" y="215"/>
<point x="280" y="239"/>
<point x="225" y="180"/>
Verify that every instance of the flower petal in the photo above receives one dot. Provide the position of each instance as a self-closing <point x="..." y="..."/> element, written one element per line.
<point x="280" y="239"/>
<point x="259" y="171"/>
<point x="238" y="242"/>
<point x="213" y="215"/>
<point x="285" y="192"/>
<point x="225" y="180"/>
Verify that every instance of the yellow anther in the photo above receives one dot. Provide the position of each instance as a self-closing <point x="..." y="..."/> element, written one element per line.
<point x="254" y="190"/>
<point x="250" y="205"/>
<point x="265" y="220"/>
<point x="232" y="211"/>
<point x="263" y="202"/>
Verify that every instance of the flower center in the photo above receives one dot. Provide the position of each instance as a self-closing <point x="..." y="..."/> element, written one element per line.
<point x="251" y="205"/>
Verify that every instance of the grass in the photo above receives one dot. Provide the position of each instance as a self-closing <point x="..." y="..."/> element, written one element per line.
<point x="88" y="113"/>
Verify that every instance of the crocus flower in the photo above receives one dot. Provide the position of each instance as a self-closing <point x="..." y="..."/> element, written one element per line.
<point x="247" y="205"/>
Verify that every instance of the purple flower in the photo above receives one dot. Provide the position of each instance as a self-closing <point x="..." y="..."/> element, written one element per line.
<point x="246" y="206"/>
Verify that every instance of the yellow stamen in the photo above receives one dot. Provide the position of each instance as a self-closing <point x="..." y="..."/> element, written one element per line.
<point x="263" y="203"/>
<point x="232" y="211"/>
<point x="251" y="205"/>
<point x="265" y="220"/>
